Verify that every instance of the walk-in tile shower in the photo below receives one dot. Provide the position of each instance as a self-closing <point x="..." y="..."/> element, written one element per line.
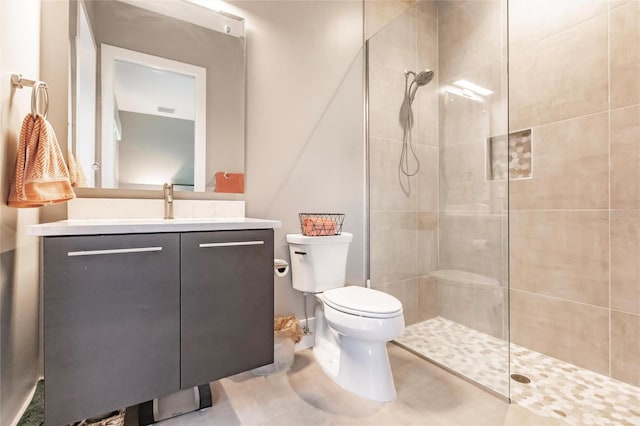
<point x="514" y="248"/>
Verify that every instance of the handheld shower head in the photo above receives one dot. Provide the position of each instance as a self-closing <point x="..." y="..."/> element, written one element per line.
<point x="421" y="79"/>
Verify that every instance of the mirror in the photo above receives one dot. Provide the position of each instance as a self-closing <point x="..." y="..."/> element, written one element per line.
<point x="157" y="94"/>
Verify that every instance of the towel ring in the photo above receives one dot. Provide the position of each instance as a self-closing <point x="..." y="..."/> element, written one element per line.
<point x="20" y="82"/>
<point x="37" y="87"/>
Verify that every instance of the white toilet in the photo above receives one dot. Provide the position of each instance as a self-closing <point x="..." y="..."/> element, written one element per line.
<point x="353" y="324"/>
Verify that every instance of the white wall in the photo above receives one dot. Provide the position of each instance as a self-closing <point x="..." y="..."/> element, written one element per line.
<point x="19" y="288"/>
<point x="305" y="146"/>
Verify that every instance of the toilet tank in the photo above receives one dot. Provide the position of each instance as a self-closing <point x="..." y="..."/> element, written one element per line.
<point x="318" y="263"/>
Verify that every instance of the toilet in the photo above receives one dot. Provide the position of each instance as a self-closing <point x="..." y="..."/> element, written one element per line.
<point x="353" y="324"/>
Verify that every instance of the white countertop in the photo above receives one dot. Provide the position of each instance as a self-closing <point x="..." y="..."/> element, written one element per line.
<point x="145" y="226"/>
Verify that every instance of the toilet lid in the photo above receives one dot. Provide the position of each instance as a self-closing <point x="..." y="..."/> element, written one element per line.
<point x="362" y="301"/>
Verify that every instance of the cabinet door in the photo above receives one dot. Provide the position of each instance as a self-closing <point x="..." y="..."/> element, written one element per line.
<point x="111" y="322"/>
<point x="227" y="304"/>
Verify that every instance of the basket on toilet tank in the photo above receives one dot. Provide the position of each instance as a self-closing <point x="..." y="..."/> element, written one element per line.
<point x="321" y="224"/>
<point x="318" y="263"/>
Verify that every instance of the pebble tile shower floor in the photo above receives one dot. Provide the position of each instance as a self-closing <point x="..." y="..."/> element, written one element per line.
<point x="557" y="390"/>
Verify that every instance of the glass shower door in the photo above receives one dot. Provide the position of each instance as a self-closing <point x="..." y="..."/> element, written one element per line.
<point x="438" y="179"/>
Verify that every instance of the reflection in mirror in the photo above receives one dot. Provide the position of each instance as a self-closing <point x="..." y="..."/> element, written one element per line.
<point x="157" y="93"/>
<point x="153" y="122"/>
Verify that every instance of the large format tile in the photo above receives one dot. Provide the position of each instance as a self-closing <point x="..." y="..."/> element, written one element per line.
<point x="572" y="332"/>
<point x="385" y="181"/>
<point x="427" y="298"/>
<point x="391" y="51"/>
<point x="561" y="76"/>
<point x="470" y="36"/>
<point x="625" y="261"/>
<point x="407" y="292"/>
<point x="532" y="21"/>
<point x="625" y="347"/>
<point x="378" y="14"/>
<point x="463" y="119"/>
<point x="562" y="254"/>
<point x="427" y="240"/>
<point x="427" y="178"/>
<point x="625" y="54"/>
<point x="472" y="243"/>
<point x="570" y="167"/>
<point x="462" y="176"/>
<point x="625" y="157"/>
<point x="393" y="246"/>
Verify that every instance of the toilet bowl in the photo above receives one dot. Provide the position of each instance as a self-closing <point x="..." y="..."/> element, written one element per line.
<point x="353" y="324"/>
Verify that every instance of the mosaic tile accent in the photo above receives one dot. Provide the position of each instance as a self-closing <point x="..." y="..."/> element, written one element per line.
<point x="557" y="389"/>
<point x="518" y="160"/>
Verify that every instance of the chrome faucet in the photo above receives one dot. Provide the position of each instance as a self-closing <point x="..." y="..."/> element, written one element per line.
<point x="168" y="200"/>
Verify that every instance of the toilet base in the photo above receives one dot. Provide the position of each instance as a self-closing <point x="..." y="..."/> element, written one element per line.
<point x="358" y="366"/>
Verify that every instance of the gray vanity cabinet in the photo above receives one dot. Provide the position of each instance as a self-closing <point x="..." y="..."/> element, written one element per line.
<point x="129" y="318"/>
<point x="111" y="322"/>
<point x="226" y="304"/>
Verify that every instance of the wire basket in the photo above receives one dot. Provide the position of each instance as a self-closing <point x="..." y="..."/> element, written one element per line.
<point x="321" y="224"/>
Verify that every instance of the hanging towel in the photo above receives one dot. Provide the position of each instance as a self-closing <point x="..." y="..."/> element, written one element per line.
<point x="76" y="174"/>
<point x="229" y="182"/>
<point x="41" y="175"/>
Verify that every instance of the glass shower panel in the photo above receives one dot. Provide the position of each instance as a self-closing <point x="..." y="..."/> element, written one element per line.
<point x="438" y="237"/>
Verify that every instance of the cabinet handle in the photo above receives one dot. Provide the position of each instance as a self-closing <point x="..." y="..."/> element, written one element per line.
<point x="232" y="243"/>
<point x="113" y="251"/>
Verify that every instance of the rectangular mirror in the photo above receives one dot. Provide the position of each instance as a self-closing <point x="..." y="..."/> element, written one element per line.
<point x="157" y="94"/>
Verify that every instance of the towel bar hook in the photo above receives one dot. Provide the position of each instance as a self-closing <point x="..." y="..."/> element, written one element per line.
<point x="38" y="86"/>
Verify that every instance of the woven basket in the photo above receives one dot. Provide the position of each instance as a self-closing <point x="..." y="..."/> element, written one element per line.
<point x="115" y="419"/>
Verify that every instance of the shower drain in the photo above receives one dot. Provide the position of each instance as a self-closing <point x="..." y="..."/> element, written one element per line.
<point x="520" y="378"/>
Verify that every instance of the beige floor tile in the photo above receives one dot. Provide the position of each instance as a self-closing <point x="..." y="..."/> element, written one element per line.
<point x="427" y="395"/>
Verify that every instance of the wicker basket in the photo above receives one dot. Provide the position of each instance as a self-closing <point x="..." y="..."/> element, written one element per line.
<point x="114" y="419"/>
<point x="321" y="224"/>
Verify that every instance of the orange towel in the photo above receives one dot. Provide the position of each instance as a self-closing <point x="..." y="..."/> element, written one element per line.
<point x="76" y="174"/>
<point x="230" y="182"/>
<point x="318" y="226"/>
<point x="41" y="175"/>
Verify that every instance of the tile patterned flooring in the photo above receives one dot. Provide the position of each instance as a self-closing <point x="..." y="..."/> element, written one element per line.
<point x="558" y="390"/>
<point x="427" y="395"/>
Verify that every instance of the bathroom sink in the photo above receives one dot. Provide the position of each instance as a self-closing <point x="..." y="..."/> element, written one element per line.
<point x="148" y="225"/>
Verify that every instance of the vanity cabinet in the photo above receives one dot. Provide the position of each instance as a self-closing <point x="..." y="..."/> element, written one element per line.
<point x="227" y="284"/>
<point x="131" y="317"/>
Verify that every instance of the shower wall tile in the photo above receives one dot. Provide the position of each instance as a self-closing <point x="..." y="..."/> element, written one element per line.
<point x="445" y="7"/>
<point x="469" y="37"/>
<point x="386" y="193"/>
<point x="393" y="246"/>
<point x="625" y="54"/>
<point x="472" y="242"/>
<point x="426" y="101"/>
<point x="427" y="298"/>
<point x="562" y="254"/>
<point x="625" y="261"/>
<point x="561" y="76"/>
<point x="463" y="119"/>
<point x="463" y="186"/>
<point x="379" y="13"/>
<point x="532" y="21"/>
<point x="570" y="167"/>
<point x="407" y="293"/>
<point x="429" y="9"/>
<point x="427" y="178"/>
<point x="427" y="239"/>
<point x="573" y="332"/>
<point x="625" y="347"/>
<point x="625" y="157"/>
<point x="391" y="52"/>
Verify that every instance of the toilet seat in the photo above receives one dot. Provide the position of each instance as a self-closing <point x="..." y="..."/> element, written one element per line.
<point x="364" y="302"/>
